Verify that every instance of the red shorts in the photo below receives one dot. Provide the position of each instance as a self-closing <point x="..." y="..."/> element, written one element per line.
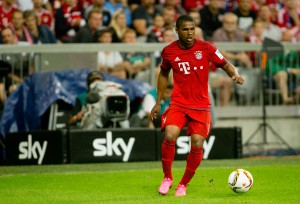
<point x="199" y="121"/>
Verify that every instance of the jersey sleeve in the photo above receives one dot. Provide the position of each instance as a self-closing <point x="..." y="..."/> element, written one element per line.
<point x="165" y="65"/>
<point x="216" y="57"/>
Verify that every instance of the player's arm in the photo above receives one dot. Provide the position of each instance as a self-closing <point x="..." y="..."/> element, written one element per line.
<point x="232" y="73"/>
<point x="161" y="87"/>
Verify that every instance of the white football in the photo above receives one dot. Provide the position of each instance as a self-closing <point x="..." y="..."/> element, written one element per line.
<point x="240" y="181"/>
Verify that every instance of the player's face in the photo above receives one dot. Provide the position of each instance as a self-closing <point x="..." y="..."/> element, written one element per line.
<point x="186" y="33"/>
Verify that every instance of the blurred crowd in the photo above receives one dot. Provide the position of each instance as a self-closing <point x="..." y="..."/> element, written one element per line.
<point x="25" y="22"/>
<point x="80" y="21"/>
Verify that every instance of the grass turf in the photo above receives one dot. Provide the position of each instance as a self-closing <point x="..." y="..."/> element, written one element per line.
<point x="276" y="180"/>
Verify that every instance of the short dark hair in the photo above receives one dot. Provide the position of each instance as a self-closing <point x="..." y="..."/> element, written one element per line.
<point x="102" y="31"/>
<point x="182" y="19"/>
<point x="94" y="10"/>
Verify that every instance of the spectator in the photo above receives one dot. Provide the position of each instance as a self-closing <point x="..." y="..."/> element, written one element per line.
<point x="285" y="70"/>
<point x="173" y="5"/>
<point x="196" y="16"/>
<point x="229" y="33"/>
<point x="56" y="4"/>
<point x="133" y="4"/>
<point x="21" y="32"/>
<point x="199" y="33"/>
<point x="271" y="31"/>
<point x="87" y="33"/>
<point x="217" y="80"/>
<point x="142" y="117"/>
<point x="19" y="63"/>
<point x="110" y="61"/>
<point x="197" y="19"/>
<point x="155" y="34"/>
<point x="211" y="18"/>
<point x="169" y="15"/>
<point x="115" y="5"/>
<point x="137" y="64"/>
<point x="195" y="4"/>
<point x="257" y="35"/>
<point x="257" y="32"/>
<point x="68" y="20"/>
<point x="118" y="26"/>
<point x="289" y="16"/>
<point x="45" y="16"/>
<point x="99" y="4"/>
<point x="168" y="36"/>
<point x="245" y="16"/>
<point x="5" y="68"/>
<point x="83" y="4"/>
<point x="41" y="34"/>
<point x="7" y="7"/>
<point x="29" y="4"/>
<point x="2" y="95"/>
<point x="142" y="17"/>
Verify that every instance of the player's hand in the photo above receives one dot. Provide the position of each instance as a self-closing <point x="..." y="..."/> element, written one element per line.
<point x="155" y="111"/>
<point x="238" y="79"/>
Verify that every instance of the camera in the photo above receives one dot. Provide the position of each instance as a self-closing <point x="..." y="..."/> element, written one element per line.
<point x="106" y="102"/>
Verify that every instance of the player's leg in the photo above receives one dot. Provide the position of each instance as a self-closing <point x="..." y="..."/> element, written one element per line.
<point x="199" y="128"/>
<point x="172" y="123"/>
<point x="167" y="154"/>
<point x="193" y="161"/>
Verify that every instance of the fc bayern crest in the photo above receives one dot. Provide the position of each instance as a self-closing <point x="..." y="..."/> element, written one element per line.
<point x="198" y="54"/>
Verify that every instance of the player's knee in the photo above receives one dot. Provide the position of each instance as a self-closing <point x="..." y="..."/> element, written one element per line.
<point x="197" y="141"/>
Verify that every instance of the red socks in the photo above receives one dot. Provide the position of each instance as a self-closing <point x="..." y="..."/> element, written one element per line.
<point x="193" y="161"/>
<point x="168" y="153"/>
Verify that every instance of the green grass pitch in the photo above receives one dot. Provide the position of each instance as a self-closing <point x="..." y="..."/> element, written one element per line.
<point x="276" y="180"/>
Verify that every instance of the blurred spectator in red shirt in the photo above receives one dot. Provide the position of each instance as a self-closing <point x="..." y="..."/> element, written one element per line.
<point x="156" y="31"/>
<point x="195" y="4"/>
<point x="7" y="7"/>
<point x="68" y="20"/>
<point x="45" y="16"/>
<point x="289" y="16"/>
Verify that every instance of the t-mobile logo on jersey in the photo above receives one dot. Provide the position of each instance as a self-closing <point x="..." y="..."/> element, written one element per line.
<point x="184" y="66"/>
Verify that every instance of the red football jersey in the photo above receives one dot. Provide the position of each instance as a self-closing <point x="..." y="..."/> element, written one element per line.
<point x="5" y="15"/>
<point x="46" y="18"/>
<point x="190" y="71"/>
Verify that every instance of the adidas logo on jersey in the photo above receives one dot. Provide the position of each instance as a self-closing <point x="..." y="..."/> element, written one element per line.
<point x="177" y="59"/>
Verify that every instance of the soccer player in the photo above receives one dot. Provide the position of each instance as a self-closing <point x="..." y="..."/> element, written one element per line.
<point x="189" y="59"/>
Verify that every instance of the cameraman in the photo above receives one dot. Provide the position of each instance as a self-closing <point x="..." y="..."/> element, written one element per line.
<point x="81" y="99"/>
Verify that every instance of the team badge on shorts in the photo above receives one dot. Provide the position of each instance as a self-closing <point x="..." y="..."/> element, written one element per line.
<point x="198" y="54"/>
